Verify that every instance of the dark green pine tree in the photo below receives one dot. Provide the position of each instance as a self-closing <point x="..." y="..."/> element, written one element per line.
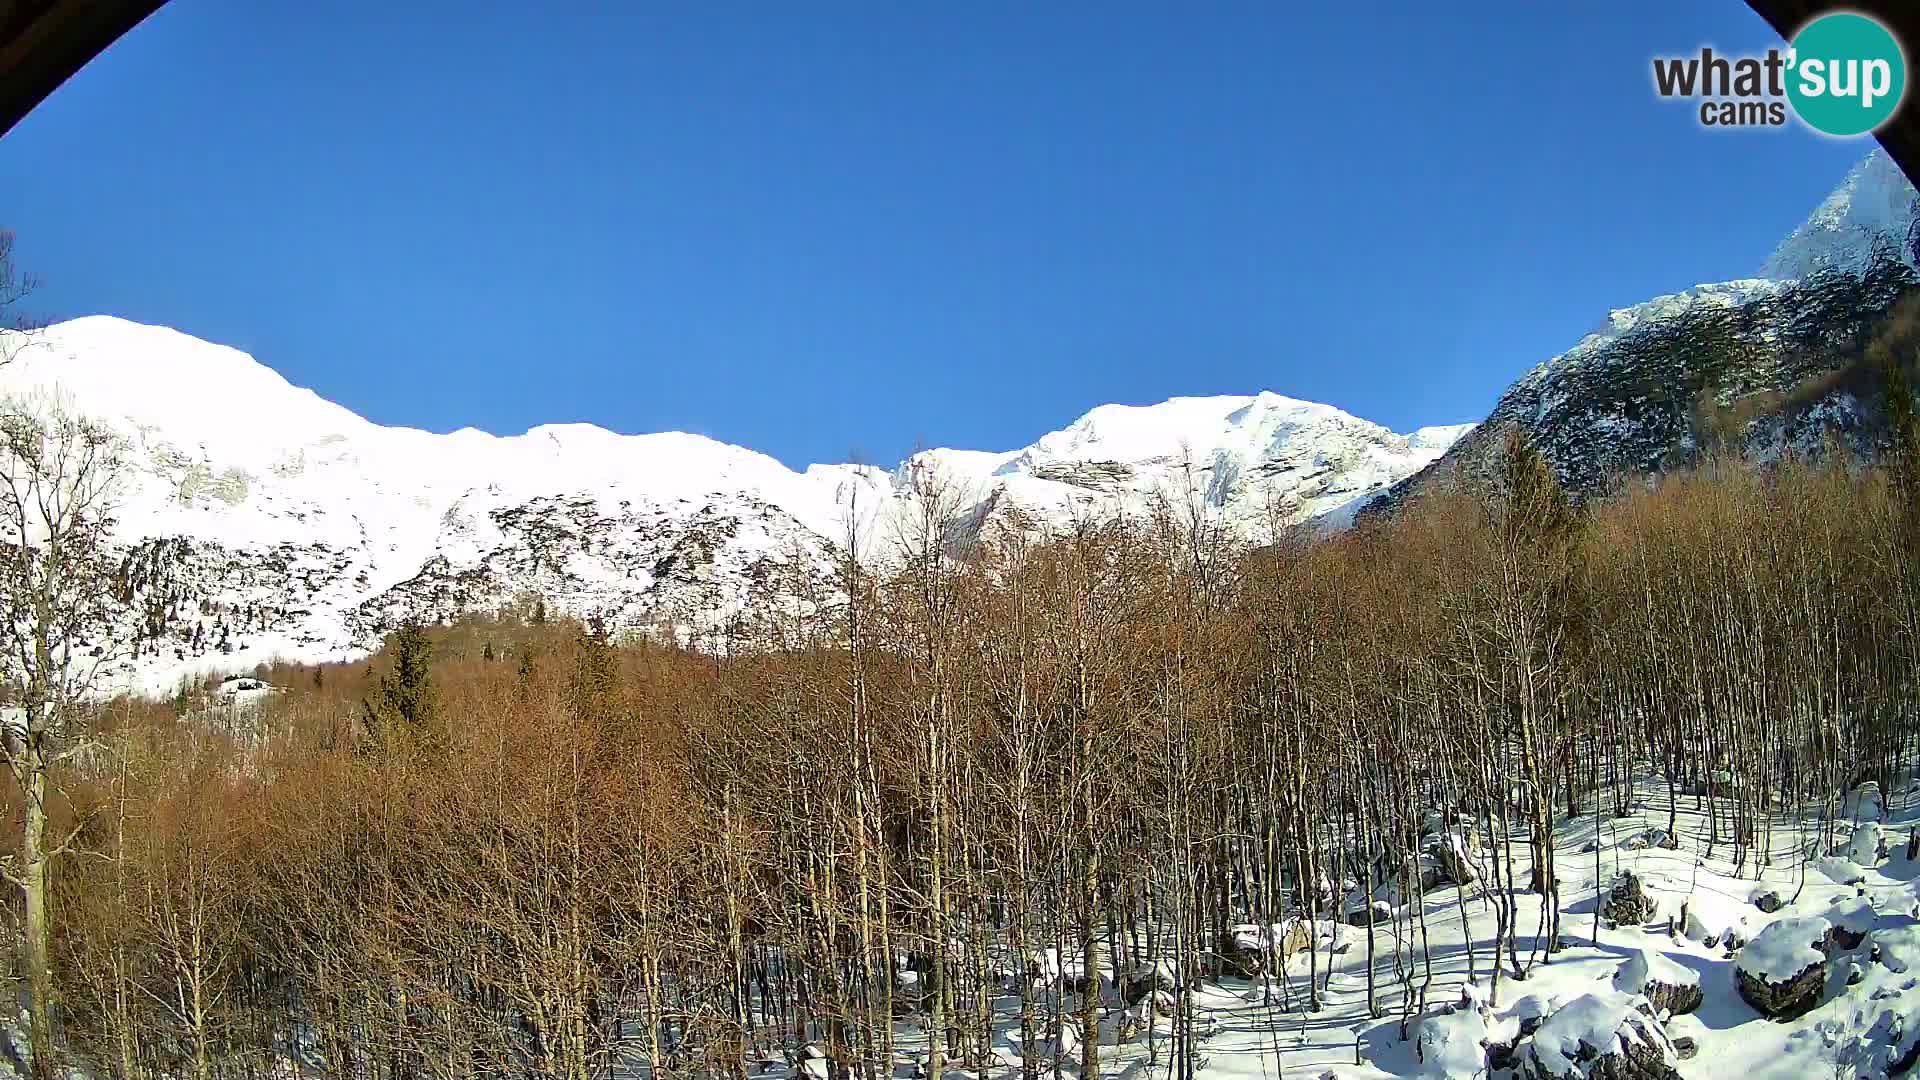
<point x="1540" y="530"/>
<point x="595" y="672"/>
<point x="405" y="704"/>
<point x="486" y="652"/>
<point x="528" y="665"/>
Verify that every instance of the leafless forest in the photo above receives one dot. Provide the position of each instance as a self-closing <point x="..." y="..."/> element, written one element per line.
<point x="517" y="846"/>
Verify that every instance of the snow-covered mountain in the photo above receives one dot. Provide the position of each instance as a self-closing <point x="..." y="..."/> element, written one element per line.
<point x="1757" y="364"/>
<point x="1872" y="210"/>
<point x="262" y="520"/>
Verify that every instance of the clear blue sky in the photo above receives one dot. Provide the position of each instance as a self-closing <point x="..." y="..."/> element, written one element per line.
<point x="852" y="230"/>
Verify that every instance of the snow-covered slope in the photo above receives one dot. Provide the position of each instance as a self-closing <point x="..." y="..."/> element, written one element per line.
<point x="263" y="520"/>
<point x="1761" y="364"/>
<point x="1872" y="208"/>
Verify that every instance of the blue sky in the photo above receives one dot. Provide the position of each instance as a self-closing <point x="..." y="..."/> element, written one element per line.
<point x="852" y="230"/>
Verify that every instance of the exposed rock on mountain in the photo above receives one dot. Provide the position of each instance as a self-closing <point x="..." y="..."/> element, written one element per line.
<point x="1758" y="365"/>
<point x="260" y="520"/>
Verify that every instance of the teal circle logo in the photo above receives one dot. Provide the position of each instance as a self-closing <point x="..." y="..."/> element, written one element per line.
<point x="1846" y="74"/>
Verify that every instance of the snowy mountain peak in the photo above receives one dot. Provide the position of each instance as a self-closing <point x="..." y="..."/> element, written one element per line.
<point x="1166" y="429"/>
<point x="1872" y="207"/>
<point x="1437" y="437"/>
<point x="1629" y="398"/>
<point x="269" y="521"/>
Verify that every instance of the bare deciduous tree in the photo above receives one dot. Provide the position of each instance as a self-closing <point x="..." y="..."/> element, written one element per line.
<point x="58" y="476"/>
<point x="18" y="329"/>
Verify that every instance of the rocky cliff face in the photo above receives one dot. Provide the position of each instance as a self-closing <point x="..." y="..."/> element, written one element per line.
<point x="1759" y="365"/>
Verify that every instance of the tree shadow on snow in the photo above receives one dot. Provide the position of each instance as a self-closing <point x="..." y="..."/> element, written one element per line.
<point x="1382" y="1047"/>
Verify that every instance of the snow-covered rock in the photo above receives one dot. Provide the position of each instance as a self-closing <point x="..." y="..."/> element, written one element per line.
<point x="1670" y="986"/>
<point x="1361" y="911"/>
<point x="1600" y="1036"/>
<point x="1685" y="1032"/>
<point x="1162" y="977"/>
<point x="241" y="691"/>
<point x="1453" y="855"/>
<point x="1840" y="871"/>
<point x="1629" y="901"/>
<point x="1650" y="838"/>
<point x="1901" y="1022"/>
<point x="1867" y="845"/>
<point x="1715" y="920"/>
<point x="1451" y="1045"/>
<point x="1783" y="970"/>
<point x="1852" y="917"/>
<point x="1896" y="943"/>
<point x="1531" y="1010"/>
<point x="1256" y="948"/>
<point x="1045" y="1047"/>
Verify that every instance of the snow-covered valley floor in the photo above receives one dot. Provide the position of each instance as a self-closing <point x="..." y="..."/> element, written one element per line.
<point x="1859" y="1028"/>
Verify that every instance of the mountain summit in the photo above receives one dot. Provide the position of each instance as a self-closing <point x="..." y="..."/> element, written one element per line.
<point x="262" y="520"/>
<point x="1762" y="365"/>
<point x="1873" y="210"/>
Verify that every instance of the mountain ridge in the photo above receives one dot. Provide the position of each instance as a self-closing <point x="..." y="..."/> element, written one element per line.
<point x="1767" y="364"/>
<point x="270" y="522"/>
<point x="264" y="521"/>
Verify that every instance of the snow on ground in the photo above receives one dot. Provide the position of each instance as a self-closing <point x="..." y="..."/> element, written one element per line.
<point x="1591" y="991"/>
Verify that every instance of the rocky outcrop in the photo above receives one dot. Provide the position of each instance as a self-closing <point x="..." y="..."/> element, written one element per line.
<point x="1669" y="986"/>
<point x="1450" y="854"/>
<point x="1852" y="918"/>
<point x="1628" y="902"/>
<point x="1776" y="362"/>
<point x="1783" y="970"/>
<point x="1251" y="949"/>
<point x="1600" y="1036"/>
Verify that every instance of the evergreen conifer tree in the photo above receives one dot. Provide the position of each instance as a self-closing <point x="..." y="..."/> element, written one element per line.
<point x="405" y="703"/>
